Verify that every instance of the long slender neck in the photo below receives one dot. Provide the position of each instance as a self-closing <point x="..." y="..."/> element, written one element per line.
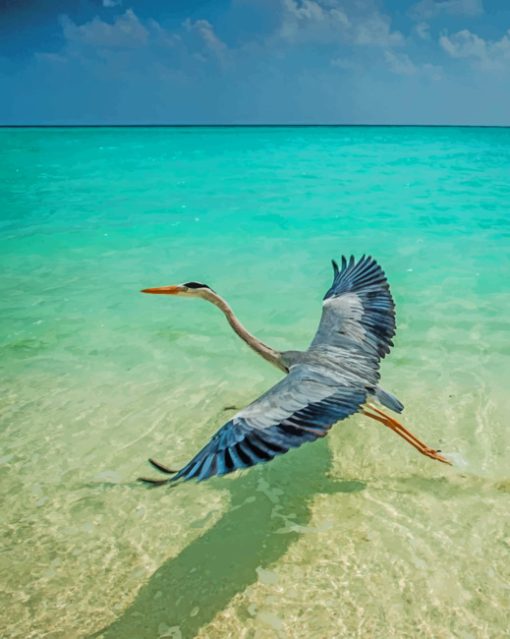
<point x="268" y="353"/>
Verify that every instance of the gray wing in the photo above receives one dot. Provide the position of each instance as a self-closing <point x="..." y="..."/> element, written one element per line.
<point x="299" y="409"/>
<point x="358" y="317"/>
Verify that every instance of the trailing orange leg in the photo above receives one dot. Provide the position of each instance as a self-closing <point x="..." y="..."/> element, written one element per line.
<point x="400" y="427"/>
<point x="397" y="427"/>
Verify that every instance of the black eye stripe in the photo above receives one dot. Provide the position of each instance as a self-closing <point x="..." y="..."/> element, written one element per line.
<point x="195" y="285"/>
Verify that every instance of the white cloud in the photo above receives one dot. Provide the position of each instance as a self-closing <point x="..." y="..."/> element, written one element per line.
<point x="205" y="31"/>
<point x="428" y="9"/>
<point x="464" y="44"/>
<point x="337" y="21"/>
<point x="126" y="32"/>
<point x="485" y="54"/>
<point x="310" y="20"/>
<point x="195" y="40"/>
<point x="161" y="36"/>
<point x="423" y="30"/>
<point x="400" y="63"/>
<point x="109" y="4"/>
<point x="375" y="30"/>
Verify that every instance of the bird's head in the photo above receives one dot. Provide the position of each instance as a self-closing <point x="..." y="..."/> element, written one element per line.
<point x="189" y="289"/>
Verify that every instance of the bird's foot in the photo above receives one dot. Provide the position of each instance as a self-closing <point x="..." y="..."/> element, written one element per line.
<point x="434" y="454"/>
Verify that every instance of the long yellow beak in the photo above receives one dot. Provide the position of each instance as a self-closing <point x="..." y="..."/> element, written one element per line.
<point x="164" y="290"/>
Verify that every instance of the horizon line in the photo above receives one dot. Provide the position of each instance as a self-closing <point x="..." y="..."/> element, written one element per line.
<point x="232" y="126"/>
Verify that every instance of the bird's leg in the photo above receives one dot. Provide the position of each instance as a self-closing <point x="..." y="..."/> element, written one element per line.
<point x="409" y="437"/>
<point x="397" y="428"/>
<point x="162" y="467"/>
<point x="400" y="427"/>
<point x="153" y="482"/>
<point x="401" y="430"/>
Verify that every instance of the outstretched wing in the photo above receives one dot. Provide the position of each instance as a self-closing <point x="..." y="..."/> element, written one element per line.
<point x="300" y="408"/>
<point x="358" y="312"/>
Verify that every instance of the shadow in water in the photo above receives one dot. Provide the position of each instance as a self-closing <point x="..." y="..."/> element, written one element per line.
<point x="268" y="505"/>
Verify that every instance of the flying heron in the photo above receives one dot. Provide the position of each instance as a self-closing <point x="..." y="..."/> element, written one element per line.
<point x="334" y="378"/>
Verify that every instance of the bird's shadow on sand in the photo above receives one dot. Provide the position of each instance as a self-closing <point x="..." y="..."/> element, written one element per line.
<point x="269" y="506"/>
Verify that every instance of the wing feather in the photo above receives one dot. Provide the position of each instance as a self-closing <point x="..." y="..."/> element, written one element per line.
<point x="358" y="312"/>
<point x="300" y="408"/>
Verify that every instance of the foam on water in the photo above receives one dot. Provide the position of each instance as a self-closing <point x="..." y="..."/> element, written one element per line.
<point x="456" y="459"/>
<point x="354" y="536"/>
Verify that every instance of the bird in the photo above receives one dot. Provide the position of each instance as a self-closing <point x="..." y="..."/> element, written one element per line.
<point x="336" y="377"/>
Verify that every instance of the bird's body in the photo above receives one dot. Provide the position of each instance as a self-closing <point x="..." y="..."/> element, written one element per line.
<point x="334" y="378"/>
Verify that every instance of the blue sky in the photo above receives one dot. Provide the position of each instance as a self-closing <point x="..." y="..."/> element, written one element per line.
<point x="255" y="61"/>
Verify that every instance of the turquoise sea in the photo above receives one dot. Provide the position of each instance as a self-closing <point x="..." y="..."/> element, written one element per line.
<point x="355" y="536"/>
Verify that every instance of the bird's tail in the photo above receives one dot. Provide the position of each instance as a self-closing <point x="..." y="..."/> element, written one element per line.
<point x="388" y="400"/>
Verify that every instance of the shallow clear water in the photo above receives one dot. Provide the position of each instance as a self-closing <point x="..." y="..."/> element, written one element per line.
<point x="354" y="536"/>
